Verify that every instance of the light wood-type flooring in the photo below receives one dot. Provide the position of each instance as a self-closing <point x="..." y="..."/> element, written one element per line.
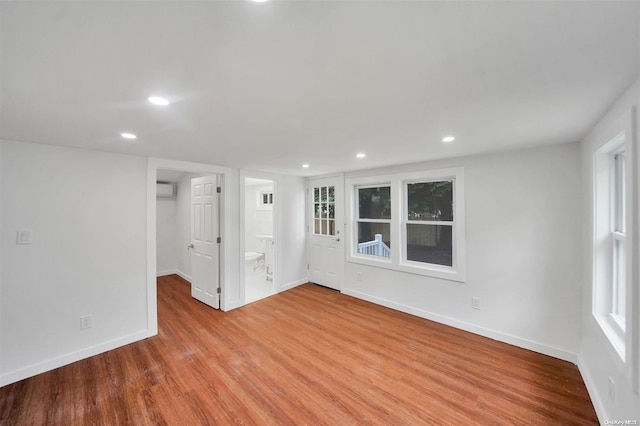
<point x="308" y="356"/>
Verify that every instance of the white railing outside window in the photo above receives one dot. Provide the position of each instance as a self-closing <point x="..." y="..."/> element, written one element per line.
<point x="377" y="247"/>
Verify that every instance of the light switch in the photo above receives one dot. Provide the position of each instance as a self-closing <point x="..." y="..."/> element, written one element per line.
<point x="24" y="236"/>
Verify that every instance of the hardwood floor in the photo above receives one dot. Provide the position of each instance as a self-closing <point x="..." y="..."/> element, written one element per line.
<point x="306" y="356"/>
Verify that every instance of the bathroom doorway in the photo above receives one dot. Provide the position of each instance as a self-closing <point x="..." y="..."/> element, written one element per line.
<point x="259" y="238"/>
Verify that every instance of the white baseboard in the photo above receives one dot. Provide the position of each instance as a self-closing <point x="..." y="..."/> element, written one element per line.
<point x="183" y="275"/>
<point x="173" y="272"/>
<point x="293" y="284"/>
<point x="62" y="360"/>
<point x="591" y="389"/>
<point x="167" y="272"/>
<point x="472" y="328"/>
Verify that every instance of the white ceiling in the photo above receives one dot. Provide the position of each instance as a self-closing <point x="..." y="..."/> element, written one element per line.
<point x="269" y="86"/>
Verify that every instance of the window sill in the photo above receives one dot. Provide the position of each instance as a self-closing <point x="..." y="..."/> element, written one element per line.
<point x="613" y="333"/>
<point x="435" y="271"/>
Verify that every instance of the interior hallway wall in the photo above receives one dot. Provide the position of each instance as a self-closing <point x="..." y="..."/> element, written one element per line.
<point x="292" y="248"/>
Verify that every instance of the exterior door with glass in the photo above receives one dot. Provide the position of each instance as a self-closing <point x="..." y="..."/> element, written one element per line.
<point x="325" y="200"/>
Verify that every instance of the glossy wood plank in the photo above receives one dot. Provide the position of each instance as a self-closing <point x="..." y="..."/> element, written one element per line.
<point x="306" y="356"/>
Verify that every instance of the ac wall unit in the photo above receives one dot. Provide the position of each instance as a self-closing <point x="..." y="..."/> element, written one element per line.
<point x="164" y="189"/>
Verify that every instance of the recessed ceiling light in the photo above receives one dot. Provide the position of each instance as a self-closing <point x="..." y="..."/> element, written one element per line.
<point x="361" y="155"/>
<point x="156" y="100"/>
<point x="448" y="139"/>
<point x="305" y="166"/>
<point x="128" y="135"/>
<point x="259" y="1"/>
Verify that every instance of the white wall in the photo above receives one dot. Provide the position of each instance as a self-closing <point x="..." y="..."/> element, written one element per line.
<point x="183" y="225"/>
<point x="292" y="252"/>
<point x="167" y="235"/>
<point x="522" y="246"/>
<point x="87" y="211"/>
<point x="597" y="360"/>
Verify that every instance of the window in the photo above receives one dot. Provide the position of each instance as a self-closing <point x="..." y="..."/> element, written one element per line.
<point x="266" y="198"/>
<point x="610" y="247"/>
<point x="324" y="216"/>
<point x="428" y="222"/>
<point x="374" y="221"/>
<point x="613" y="244"/>
<point x="413" y="222"/>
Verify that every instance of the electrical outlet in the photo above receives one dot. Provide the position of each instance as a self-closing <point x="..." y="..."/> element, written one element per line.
<point x="24" y="236"/>
<point x="475" y="303"/>
<point x="85" y="322"/>
<point x="359" y="276"/>
<point x="612" y="389"/>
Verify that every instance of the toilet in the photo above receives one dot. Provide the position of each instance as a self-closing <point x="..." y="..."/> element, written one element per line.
<point x="257" y="261"/>
<point x="254" y="260"/>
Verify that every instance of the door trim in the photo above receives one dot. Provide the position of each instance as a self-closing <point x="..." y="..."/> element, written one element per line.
<point x="229" y="223"/>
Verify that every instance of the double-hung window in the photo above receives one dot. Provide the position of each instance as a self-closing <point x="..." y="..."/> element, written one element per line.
<point x="428" y="222"/>
<point x="614" y="248"/>
<point x="373" y="220"/>
<point x="610" y="283"/>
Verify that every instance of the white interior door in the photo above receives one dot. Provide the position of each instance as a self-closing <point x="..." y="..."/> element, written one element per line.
<point x="325" y="201"/>
<point x="204" y="247"/>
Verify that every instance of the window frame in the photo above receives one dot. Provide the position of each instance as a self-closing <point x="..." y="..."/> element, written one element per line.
<point x="261" y="198"/>
<point x="260" y="193"/>
<point x="606" y="219"/>
<point x="358" y="220"/>
<point x="405" y="221"/>
<point x="398" y="238"/>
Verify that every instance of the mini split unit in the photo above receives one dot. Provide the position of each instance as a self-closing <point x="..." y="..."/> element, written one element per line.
<point x="164" y="189"/>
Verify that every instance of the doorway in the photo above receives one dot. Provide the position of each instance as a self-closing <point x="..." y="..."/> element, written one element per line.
<point x="259" y="272"/>
<point x="187" y="227"/>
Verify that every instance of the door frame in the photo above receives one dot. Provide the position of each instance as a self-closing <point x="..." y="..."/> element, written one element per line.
<point x="229" y="225"/>
<point x="339" y="226"/>
<point x="276" y="208"/>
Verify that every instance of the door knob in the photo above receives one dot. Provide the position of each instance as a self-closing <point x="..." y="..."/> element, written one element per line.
<point x="190" y="246"/>
<point x="337" y="239"/>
